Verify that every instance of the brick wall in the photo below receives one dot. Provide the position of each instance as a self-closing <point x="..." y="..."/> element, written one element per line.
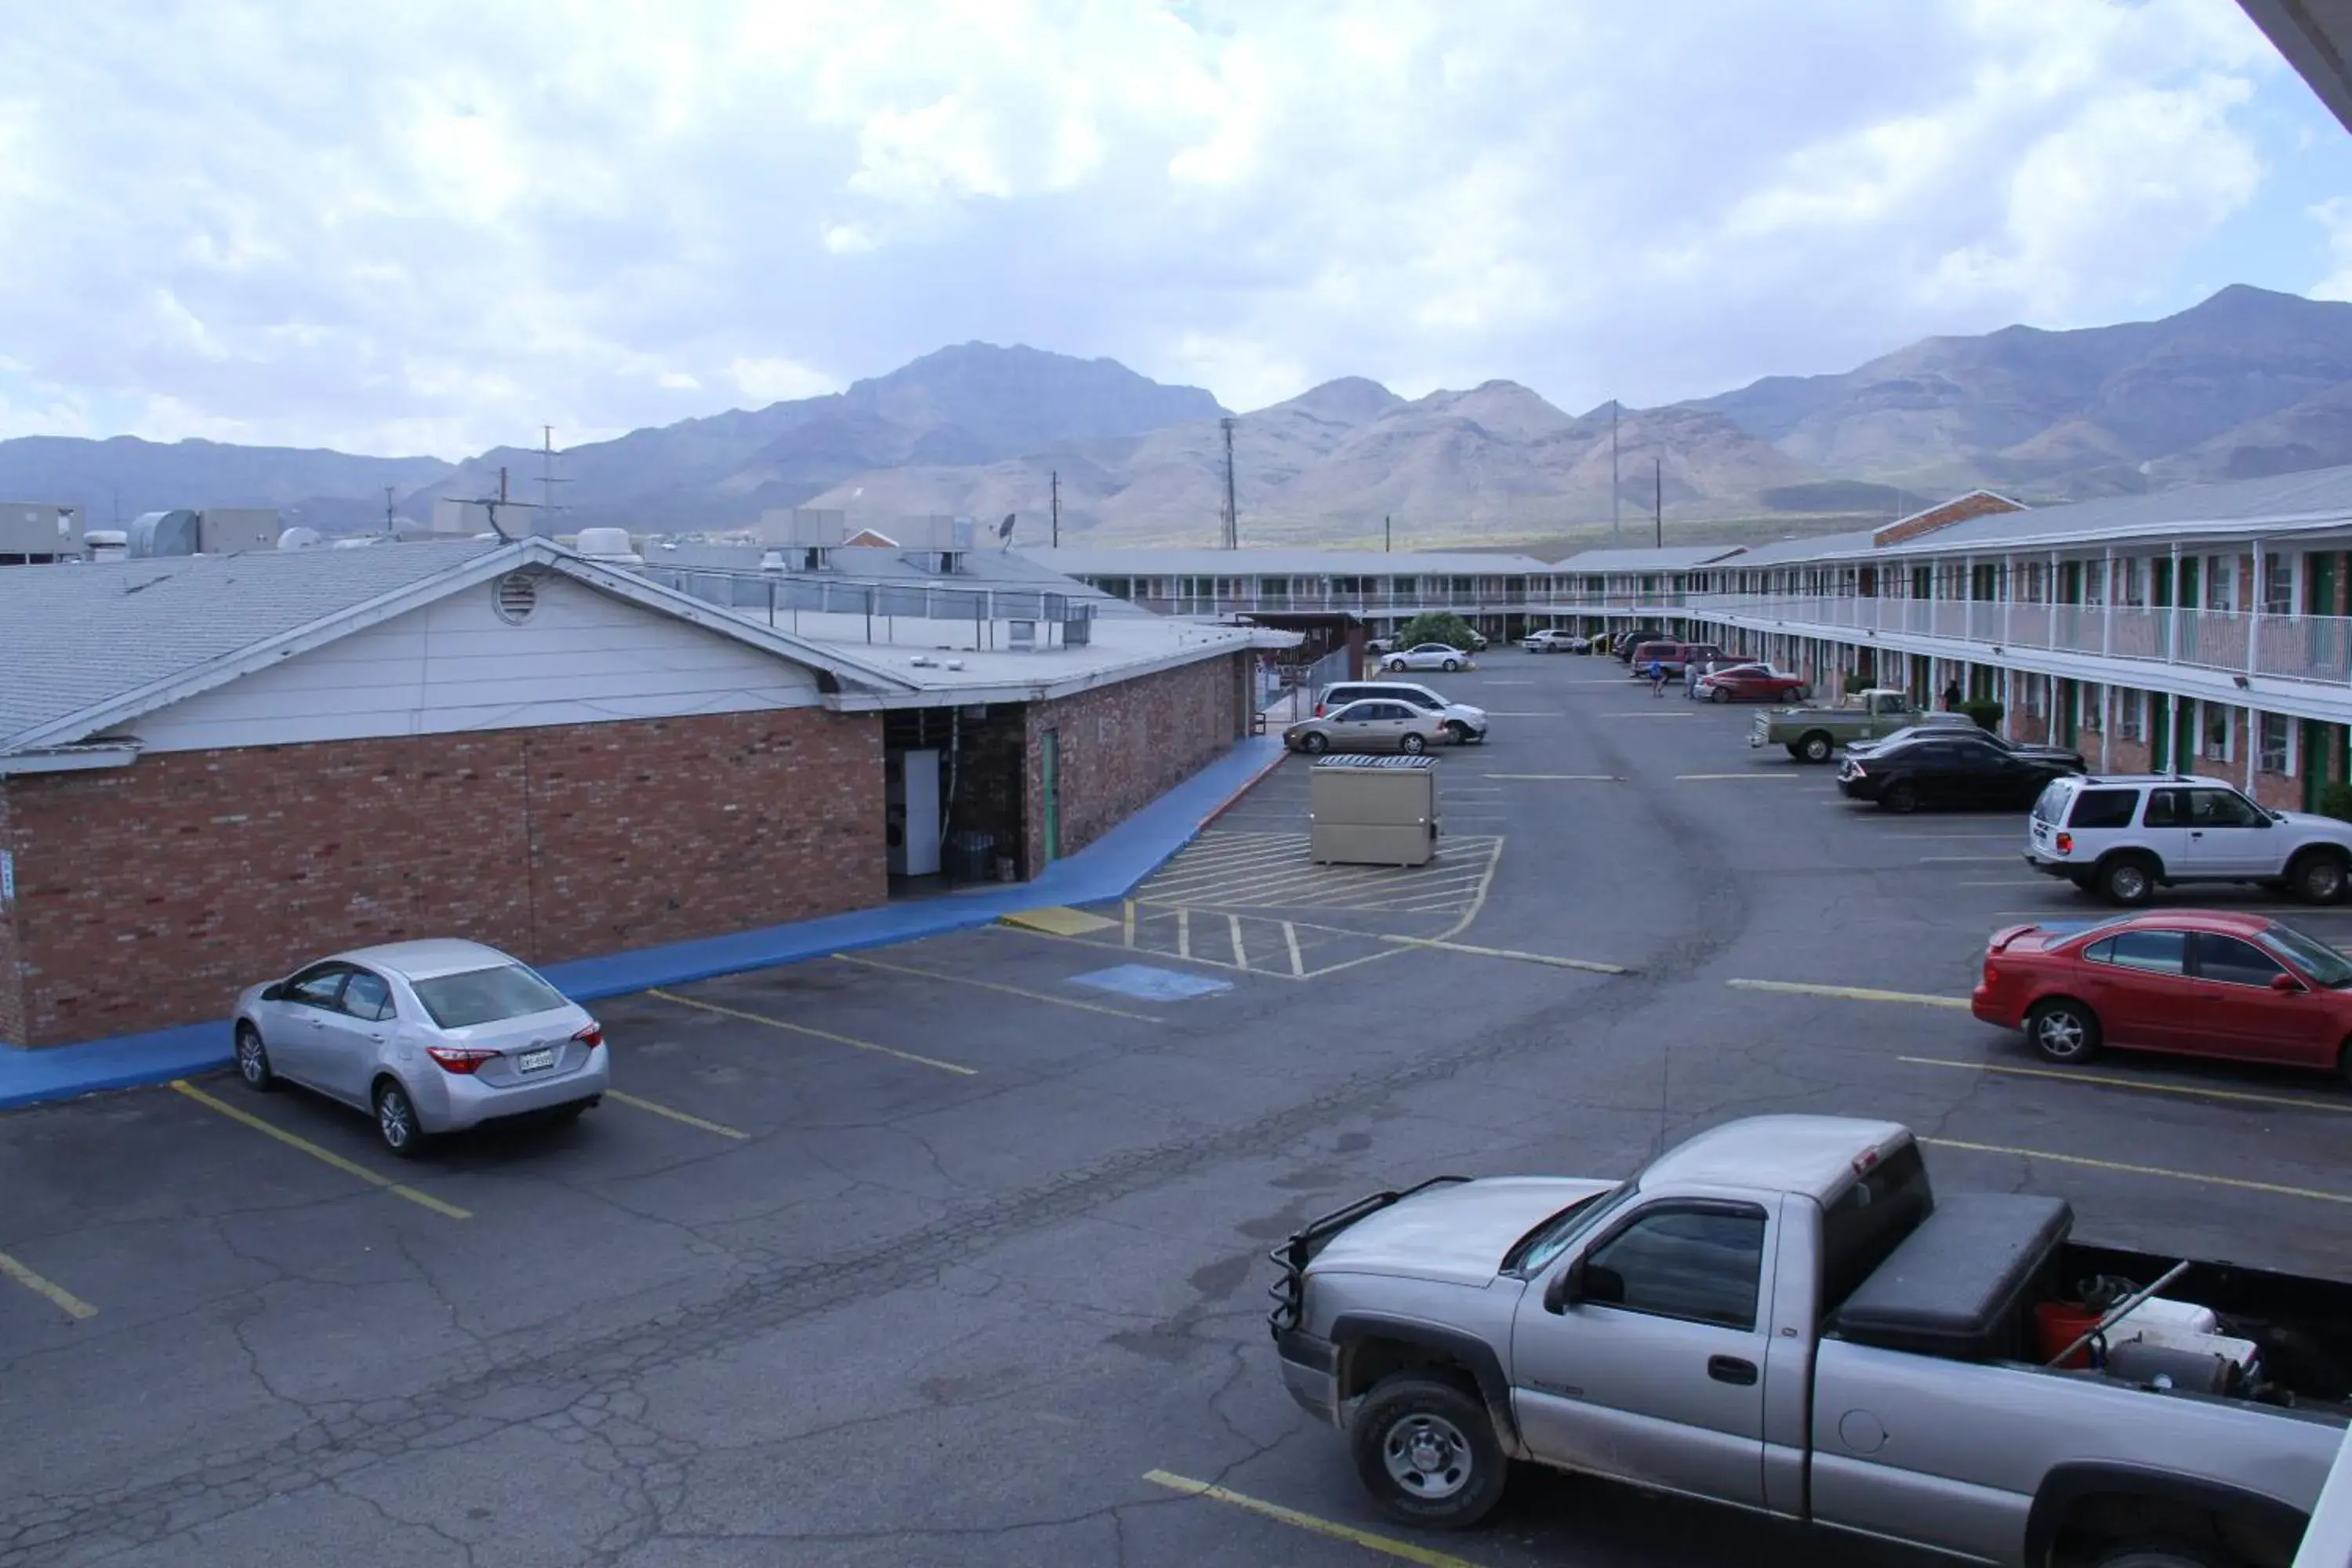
<point x="150" y="895"/>
<point x="1123" y="746"/>
<point x="12" y="977"/>
<point x="1977" y="503"/>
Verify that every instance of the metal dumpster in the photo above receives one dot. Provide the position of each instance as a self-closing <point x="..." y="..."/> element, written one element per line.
<point x="1372" y="811"/>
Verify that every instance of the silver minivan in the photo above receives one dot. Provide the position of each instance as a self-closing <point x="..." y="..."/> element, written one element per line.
<point x="427" y="1036"/>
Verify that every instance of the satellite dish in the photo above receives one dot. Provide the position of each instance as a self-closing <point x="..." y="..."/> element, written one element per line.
<point x="1004" y="532"/>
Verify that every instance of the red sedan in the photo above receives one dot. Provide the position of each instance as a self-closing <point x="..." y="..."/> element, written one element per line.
<point x="1751" y="683"/>
<point x="2198" y="981"/>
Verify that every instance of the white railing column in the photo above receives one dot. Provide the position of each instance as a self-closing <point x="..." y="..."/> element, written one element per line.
<point x="2108" y="620"/>
<point x="2255" y="613"/>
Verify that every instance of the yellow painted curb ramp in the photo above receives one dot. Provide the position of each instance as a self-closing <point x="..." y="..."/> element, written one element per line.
<point x="1056" y="920"/>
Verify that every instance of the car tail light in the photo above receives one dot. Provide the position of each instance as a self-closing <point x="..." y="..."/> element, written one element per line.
<point x="2065" y="844"/>
<point x="459" y="1058"/>
<point x="591" y="1036"/>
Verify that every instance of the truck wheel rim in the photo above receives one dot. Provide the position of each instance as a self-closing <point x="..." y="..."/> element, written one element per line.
<point x="2128" y="882"/>
<point x="1427" y="1456"/>
<point x="2324" y="881"/>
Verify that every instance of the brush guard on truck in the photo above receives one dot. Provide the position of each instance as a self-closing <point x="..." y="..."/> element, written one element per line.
<point x="1294" y="1254"/>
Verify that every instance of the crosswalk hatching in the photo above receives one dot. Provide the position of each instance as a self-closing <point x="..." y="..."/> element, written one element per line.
<point x="1255" y="902"/>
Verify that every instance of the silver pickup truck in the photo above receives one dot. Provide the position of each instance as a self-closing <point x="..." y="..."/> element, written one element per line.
<point x="1780" y="1315"/>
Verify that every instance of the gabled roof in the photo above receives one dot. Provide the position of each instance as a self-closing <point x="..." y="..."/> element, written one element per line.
<point x="90" y="646"/>
<point x="1673" y="558"/>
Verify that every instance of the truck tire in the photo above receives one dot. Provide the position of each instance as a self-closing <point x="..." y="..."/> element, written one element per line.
<point x="2064" y="1031"/>
<point x="2317" y="877"/>
<point x="1815" y="746"/>
<point x="2128" y="881"/>
<point x="2164" y="1554"/>
<point x="1425" y="1449"/>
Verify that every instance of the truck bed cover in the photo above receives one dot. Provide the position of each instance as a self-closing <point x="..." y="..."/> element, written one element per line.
<point x="1956" y="1286"/>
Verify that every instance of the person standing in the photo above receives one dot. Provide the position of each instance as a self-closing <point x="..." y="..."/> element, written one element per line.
<point x="1953" y="696"/>
<point x="1657" y="675"/>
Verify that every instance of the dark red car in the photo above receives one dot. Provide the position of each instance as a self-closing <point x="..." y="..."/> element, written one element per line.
<point x="1751" y="683"/>
<point x="2199" y="982"/>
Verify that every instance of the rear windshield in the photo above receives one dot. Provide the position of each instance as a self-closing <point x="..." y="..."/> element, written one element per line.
<point x="2104" y="808"/>
<point x="1869" y="1220"/>
<point x="485" y="995"/>
<point x="2324" y="965"/>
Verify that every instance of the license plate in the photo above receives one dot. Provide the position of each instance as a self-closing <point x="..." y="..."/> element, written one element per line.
<point x="535" y="1061"/>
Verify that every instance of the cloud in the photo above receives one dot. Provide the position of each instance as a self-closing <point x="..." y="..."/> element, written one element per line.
<point x="370" y="226"/>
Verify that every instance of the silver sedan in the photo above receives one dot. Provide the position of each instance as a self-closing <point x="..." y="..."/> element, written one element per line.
<point x="429" y="1037"/>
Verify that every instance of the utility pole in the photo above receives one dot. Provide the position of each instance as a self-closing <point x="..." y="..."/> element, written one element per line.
<point x="389" y="530"/>
<point x="1057" y="478"/>
<point x="1233" y="513"/>
<point x="1658" y="478"/>
<point x="1616" y="529"/>
<point x="1388" y="532"/>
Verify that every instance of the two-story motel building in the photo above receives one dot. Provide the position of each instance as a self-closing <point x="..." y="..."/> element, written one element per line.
<point x="2204" y="629"/>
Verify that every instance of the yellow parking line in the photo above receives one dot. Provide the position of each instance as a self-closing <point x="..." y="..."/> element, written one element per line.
<point x="2237" y="1181"/>
<point x="852" y="1040"/>
<point x="1387" y="1546"/>
<point x="1562" y="778"/>
<point x="1695" y="778"/>
<point x="1966" y="859"/>
<point x="1850" y="992"/>
<point x="2194" y="1092"/>
<point x="1583" y="964"/>
<point x="349" y="1167"/>
<point x="57" y="1296"/>
<point x="722" y="1128"/>
<point x="1008" y="990"/>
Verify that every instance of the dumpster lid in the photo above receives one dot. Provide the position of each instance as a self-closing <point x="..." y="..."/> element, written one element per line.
<point x="1382" y="763"/>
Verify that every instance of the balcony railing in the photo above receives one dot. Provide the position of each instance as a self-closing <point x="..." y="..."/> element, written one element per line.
<point x="2293" y="647"/>
<point x="1530" y="601"/>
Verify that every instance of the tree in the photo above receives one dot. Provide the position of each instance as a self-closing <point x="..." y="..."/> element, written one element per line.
<point x="1437" y="625"/>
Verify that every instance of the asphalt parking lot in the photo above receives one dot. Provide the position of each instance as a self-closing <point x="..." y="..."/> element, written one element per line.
<point x="953" y="1252"/>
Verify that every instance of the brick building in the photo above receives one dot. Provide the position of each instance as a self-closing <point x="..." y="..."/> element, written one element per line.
<point x="212" y="767"/>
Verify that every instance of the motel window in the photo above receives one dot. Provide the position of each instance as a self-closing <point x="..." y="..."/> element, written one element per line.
<point x="2089" y="699"/>
<point x="2220" y="582"/>
<point x="2132" y="710"/>
<point x="2217" y="731"/>
<point x="2278" y="585"/>
<point x="2277" y="744"/>
<point x="2135" y="582"/>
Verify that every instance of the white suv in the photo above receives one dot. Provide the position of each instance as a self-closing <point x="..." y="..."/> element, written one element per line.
<point x="2122" y="837"/>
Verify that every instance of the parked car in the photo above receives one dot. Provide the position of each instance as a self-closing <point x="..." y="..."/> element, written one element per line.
<point x="1862" y="749"/>
<point x="1429" y="656"/>
<point x="1675" y="656"/>
<point x="1814" y="734"/>
<point x="1623" y="644"/>
<point x="1551" y="640"/>
<point x="1463" y="723"/>
<point x="1751" y="683"/>
<point x="1949" y="768"/>
<point x="2197" y="982"/>
<point x="1384" y="724"/>
<point x="2123" y="837"/>
<point x="1783" y="1315"/>
<point x="430" y="1036"/>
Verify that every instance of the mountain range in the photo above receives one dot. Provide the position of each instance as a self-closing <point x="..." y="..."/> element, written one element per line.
<point x="2247" y="383"/>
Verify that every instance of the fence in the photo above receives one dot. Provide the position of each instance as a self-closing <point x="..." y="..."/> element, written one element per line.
<point x="778" y="597"/>
<point x="2293" y="647"/>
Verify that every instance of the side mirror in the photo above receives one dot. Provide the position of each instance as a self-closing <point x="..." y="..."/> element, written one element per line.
<point x="2286" y="984"/>
<point x="1567" y="1288"/>
<point x="274" y="991"/>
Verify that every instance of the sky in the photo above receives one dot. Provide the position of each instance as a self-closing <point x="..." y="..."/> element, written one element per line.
<point x="433" y="228"/>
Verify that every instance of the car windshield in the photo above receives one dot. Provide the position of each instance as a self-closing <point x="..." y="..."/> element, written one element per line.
<point x="485" y="995"/>
<point x="1533" y="1253"/>
<point x="2324" y="963"/>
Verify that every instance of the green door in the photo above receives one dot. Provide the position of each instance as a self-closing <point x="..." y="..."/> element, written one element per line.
<point x="2160" y="732"/>
<point x="2312" y="748"/>
<point x="1049" y="759"/>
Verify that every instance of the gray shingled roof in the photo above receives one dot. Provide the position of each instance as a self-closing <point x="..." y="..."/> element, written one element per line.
<point x="2313" y="498"/>
<point x="1801" y="552"/>
<point x="73" y="636"/>
<point x="1250" y="561"/>
<point x="1673" y="558"/>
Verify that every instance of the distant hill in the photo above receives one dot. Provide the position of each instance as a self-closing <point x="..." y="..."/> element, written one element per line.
<point x="2248" y="383"/>
<point x="128" y="475"/>
<point x="970" y="404"/>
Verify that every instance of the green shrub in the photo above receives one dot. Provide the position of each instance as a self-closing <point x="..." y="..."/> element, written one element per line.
<point x="2336" y="800"/>
<point x="1988" y="715"/>
<point x="1437" y="625"/>
<point x="1857" y="682"/>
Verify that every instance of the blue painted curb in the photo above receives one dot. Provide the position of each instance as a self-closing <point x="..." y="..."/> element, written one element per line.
<point x="1106" y="868"/>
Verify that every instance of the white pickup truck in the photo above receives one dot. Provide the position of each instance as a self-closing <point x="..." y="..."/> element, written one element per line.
<point x="1780" y="1315"/>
